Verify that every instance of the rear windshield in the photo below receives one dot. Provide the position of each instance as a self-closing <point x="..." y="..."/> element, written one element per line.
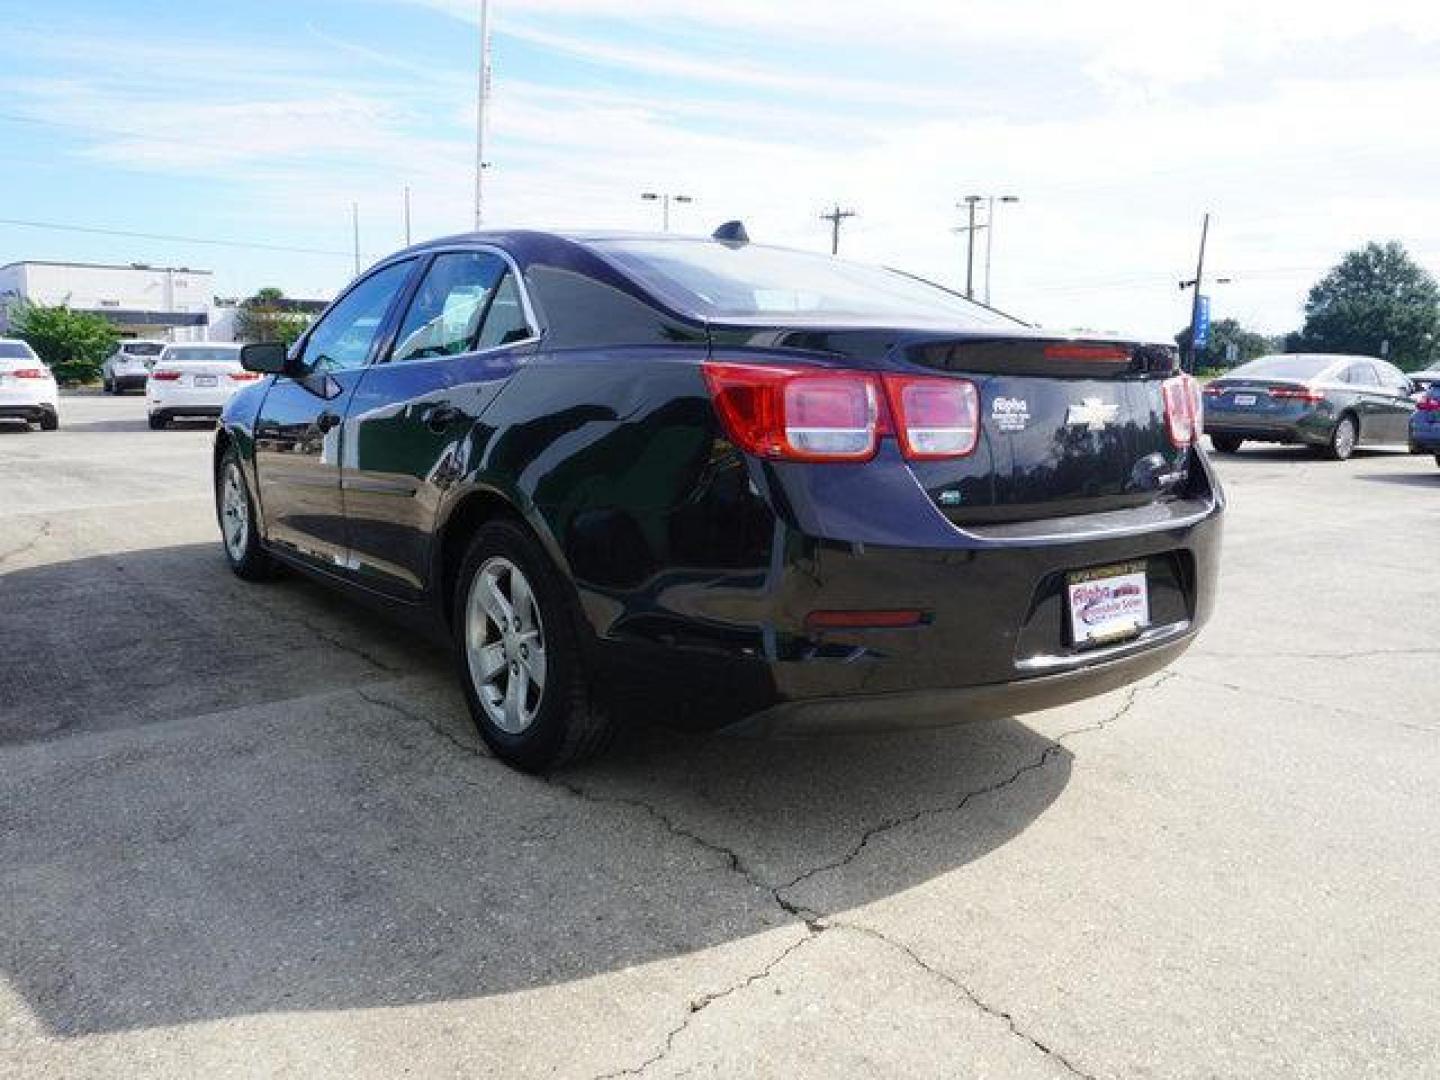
<point x="199" y="354"/>
<point x="142" y="348"/>
<point x="15" y="350"/>
<point x="715" y="280"/>
<point x="1283" y="367"/>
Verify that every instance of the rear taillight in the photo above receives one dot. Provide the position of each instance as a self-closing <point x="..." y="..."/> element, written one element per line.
<point x="1285" y="393"/>
<point x="934" y="417"/>
<point x="1214" y="391"/>
<point x="244" y="376"/>
<point x="797" y="414"/>
<point x="29" y="373"/>
<point x="165" y="376"/>
<point x="1428" y="404"/>
<point x="1184" y="409"/>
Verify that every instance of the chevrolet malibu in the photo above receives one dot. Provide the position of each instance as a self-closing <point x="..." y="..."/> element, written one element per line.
<point x="726" y="483"/>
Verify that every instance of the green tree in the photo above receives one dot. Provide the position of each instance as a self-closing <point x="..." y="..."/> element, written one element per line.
<point x="1225" y="332"/>
<point x="266" y="317"/>
<point x="1375" y="294"/>
<point x="73" y="343"/>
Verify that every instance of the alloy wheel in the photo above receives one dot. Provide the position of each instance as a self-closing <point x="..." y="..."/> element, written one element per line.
<point x="234" y="513"/>
<point x="1345" y="438"/>
<point x="505" y="645"/>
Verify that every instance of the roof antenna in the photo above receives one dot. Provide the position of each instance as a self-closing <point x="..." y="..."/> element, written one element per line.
<point x="732" y="232"/>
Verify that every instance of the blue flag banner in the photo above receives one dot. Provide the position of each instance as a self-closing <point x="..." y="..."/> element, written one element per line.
<point x="1202" y="322"/>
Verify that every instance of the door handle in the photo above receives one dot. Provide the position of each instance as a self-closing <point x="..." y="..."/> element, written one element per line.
<point x="326" y="420"/>
<point x="442" y="416"/>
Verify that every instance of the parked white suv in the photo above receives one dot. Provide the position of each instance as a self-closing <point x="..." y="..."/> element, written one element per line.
<point x="27" y="388"/>
<point x="129" y="365"/>
<point x="194" y="380"/>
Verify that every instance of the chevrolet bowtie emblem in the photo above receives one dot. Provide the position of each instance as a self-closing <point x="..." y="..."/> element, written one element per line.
<point x="1092" y="413"/>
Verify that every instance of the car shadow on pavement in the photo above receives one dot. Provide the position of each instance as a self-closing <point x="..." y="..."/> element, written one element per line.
<point x="1429" y="479"/>
<point x="226" y="800"/>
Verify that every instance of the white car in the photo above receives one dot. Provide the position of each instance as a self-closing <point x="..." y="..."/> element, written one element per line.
<point x="27" y="388"/>
<point x="194" y="380"/>
<point x="129" y="365"/>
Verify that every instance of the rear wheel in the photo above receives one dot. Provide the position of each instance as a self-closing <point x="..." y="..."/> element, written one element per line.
<point x="1225" y="444"/>
<point x="158" y="421"/>
<point x="1343" y="439"/>
<point x="49" y="421"/>
<point x="236" y="512"/>
<point x="107" y="387"/>
<point x="518" y="645"/>
<point x="1437" y="459"/>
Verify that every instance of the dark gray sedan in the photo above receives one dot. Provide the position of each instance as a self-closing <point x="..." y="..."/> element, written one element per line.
<point x="1332" y="403"/>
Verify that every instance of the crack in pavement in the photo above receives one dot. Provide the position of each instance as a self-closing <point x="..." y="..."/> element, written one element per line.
<point x="815" y="923"/>
<point x="29" y="545"/>
<point x="973" y="998"/>
<point x="1360" y="654"/>
<point x="1056" y="745"/>
<point x="700" y="1004"/>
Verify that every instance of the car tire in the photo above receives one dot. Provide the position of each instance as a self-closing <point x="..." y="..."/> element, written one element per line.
<point x="107" y="387"/>
<point x="1226" y="444"/>
<point x="527" y="685"/>
<point x="235" y="512"/>
<point x="158" y="421"/>
<point x="1437" y="459"/>
<point x="1343" y="438"/>
<point x="49" y="421"/>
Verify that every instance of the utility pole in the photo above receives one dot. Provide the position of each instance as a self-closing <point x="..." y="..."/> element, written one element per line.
<point x="355" y="225"/>
<point x="665" y="200"/>
<point x="835" y="217"/>
<point x="407" y="215"/>
<point x="482" y="92"/>
<point x="969" y="231"/>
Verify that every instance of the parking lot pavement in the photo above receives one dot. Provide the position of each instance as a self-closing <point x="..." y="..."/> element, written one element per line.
<point x="247" y="830"/>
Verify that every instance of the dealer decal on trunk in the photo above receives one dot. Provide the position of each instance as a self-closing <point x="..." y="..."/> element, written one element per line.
<point x="1010" y="414"/>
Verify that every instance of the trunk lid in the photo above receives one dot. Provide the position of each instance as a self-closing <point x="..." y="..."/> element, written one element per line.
<point x="1067" y="426"/>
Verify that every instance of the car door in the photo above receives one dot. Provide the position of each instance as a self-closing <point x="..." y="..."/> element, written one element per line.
<point x="1397" y="403"/>
<point x="298" y="432"/>
<point x="410" y="427"/>
<point x="1366" y="400"/>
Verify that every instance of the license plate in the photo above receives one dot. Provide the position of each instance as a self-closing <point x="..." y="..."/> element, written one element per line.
<point x="1108" y="603"/>
<point x="1244" y="399"/>
<point x="207" y="380"/>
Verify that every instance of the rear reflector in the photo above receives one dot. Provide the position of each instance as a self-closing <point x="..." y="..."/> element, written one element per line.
<point x="29" y="373"/>
<point x="797" y="414"/>
<point x="1309" y="397"/>
<point x="1184" y="409"/>
<point x="244" y="376"/>
<point x="862" y="620"/>
<point x="165" y="376"/>
<point x="934" y="417"/>
<point x="1074" y="351"/>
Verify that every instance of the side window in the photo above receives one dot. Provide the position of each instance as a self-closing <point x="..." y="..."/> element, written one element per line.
<point x="505" y="321"/>
<point x="1361" y="375"/>
<point x="342" y="340"/>
<point x="1393" y="378"/>
<point x="445" y="316"/>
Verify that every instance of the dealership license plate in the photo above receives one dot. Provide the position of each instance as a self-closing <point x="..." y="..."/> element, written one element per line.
<point x="1108" y="603"/>
<point x="207" y="380"/>
<point x="1244" y="399"/>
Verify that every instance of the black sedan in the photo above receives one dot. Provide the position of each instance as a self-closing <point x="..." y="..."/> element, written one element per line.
<point x="723" y="482"/>
<point x="1332" y="403"/>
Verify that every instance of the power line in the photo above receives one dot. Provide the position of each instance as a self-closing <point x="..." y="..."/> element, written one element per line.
<point x="207" y="241"/>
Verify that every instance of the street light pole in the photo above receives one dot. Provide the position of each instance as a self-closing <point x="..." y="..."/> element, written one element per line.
<point x="355" y="228"/>
<point x="482" y="92"/>
<point x="1198" y="285"/>
<point x="664" y="201"/>
<point x="407" y="215"/>
<point x="990" y="234"/>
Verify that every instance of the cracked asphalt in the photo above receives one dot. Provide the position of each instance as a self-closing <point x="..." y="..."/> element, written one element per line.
<point x="248" y="830"/>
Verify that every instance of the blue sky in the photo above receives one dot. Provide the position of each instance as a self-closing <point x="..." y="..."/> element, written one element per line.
<point x="1306" y="128"/>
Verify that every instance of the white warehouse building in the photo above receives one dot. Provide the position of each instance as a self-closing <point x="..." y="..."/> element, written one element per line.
<point x="170" y="303"/>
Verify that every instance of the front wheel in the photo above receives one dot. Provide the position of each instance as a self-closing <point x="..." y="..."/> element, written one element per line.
<point x="236" y="513"/>
<point x="518" y="646"/>
<point x="1342" y="439"/>
<point x="1225" y="444"/>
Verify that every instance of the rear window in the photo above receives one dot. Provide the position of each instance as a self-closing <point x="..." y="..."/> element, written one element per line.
<point x="193" y="354"/>
<point x="720" y="281"/>
<point x="1283" y="367"/>
<point x="141" y="348"/>
<point x="15" y="350"/>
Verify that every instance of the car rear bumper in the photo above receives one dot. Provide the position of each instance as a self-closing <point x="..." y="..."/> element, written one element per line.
<point x="204" y="402"/>
<point x="129" y="382"/>
<point x="32" y="413"/>
<point x="1310" y="430"/>
<point x="1425" y="438"/>
<point x="994" y="640"/>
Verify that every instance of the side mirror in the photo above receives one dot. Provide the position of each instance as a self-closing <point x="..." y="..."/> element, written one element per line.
<point x="266" y="358"/>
